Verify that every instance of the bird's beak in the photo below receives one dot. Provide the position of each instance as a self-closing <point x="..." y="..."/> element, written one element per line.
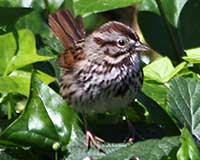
<point x="138" y="46"/>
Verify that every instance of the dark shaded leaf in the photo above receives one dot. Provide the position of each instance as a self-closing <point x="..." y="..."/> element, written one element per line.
<point x="9" y="17"/>
<point x="190" y="36"/>
<point x="172" y="9"/>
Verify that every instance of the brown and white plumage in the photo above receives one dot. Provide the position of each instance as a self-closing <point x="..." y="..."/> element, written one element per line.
<point x="101" y="72"/>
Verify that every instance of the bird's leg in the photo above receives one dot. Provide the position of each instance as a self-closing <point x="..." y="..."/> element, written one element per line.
<point x="132" y="132"/>
<point x="131" y="129"/>
<point x="91" y="138"/>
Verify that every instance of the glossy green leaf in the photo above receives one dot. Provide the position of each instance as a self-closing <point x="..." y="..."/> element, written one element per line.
<point x="19" y="82"/>
<point x="193" y="55"/>
<point x="86" y="7"/>
<point x="154" y="149"/>
<point x="17" y="50"/>
<point x="183" y="100"/>
<point x="46" y="119"/>
<point x="188" y="149"/>
<point x="162" y="70"/>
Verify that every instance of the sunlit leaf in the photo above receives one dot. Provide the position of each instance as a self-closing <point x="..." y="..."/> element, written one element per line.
<point x="193" y="55"/>
<point x="162" y="70"/>
<point x="158" y="92"/>
<point x="19" y="82"/>
<point x="17" y="50"/>
<point x="188" y="149"/>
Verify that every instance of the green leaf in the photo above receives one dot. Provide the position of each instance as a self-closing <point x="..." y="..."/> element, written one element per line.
<point x="158" y="92"/>
<point x="158" y="114"/>
<point x="165" y="72"/>
<point x="18" y="50"/>
<point x="180" y="16"/>
<point x="12" y="15"/>
<point x="193" y="55"/>
<point x="14" y="3"/>
<point x="161" y="31"/>
<point x="171" y="8"/>
<point x="189" y="17"/>
<point x="188" y="149"/>
<point x="16" y="154"/>
<point x="19" y="82"/>
<point x="35" y="22"/>
<point x="86" y="7"/>
<point x="183" y="100"/>
<point x="154" y="149"/>
<point x="46" y="119"/>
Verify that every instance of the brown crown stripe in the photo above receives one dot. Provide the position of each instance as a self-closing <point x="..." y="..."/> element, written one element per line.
<point x="119" y="27"/>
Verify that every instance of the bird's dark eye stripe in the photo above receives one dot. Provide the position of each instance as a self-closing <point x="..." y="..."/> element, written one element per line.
<point x="102" y="42"/>
<point x="120" y="53"/>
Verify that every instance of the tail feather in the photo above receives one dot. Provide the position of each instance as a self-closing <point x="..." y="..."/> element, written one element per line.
<point x="67" y="28"/>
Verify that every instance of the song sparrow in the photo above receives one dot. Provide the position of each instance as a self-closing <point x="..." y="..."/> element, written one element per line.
<point x="101" y="72"/>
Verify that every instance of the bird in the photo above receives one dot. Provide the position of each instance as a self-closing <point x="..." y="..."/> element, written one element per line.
<point x="101" y="72"/>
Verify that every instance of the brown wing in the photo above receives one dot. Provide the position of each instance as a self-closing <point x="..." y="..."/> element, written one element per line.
<point x="67" y="28"/>
<point x="70" y="31"/>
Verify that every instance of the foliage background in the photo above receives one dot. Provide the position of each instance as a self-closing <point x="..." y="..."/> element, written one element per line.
<point x="35" y="123"/>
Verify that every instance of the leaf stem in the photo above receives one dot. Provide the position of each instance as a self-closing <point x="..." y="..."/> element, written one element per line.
<point x="56" y="155"/>
<point x="169" y="30"/>
<point x="9" y="110"/>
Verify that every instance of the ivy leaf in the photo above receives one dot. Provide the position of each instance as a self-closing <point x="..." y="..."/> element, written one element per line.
<point x="19" y="82"/>
<point x="18" y="50"/>
<point x="183" y="100"/>
<point x="162" y="70"/>
<point x="46" y="119"/>
<point x="153" y="149"/>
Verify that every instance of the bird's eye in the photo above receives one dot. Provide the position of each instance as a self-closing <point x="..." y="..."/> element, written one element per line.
<point x="121" y="42"/>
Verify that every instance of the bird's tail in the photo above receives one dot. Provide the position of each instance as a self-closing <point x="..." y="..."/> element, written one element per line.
<point x="67" y="28"/>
